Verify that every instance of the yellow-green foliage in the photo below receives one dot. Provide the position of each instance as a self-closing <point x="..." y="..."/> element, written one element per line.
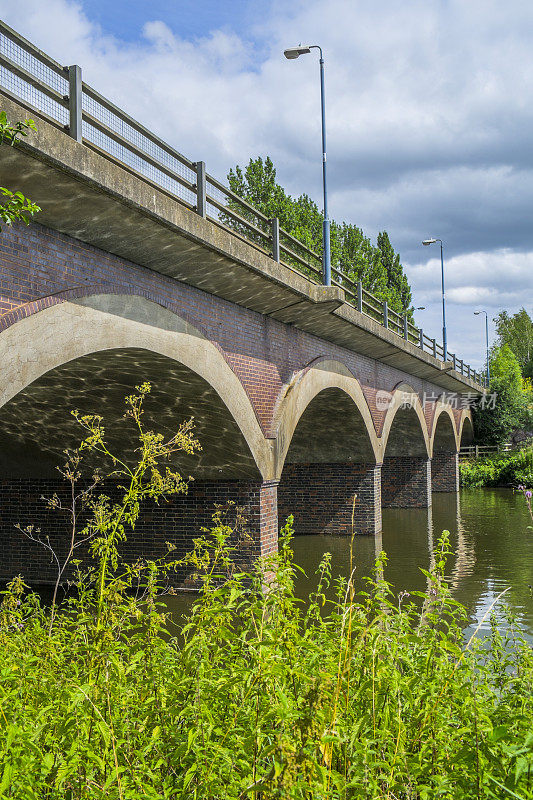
<point x="260" y="696"/>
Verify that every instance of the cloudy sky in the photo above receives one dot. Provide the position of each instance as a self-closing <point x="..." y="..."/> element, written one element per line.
<point x="430" y="117"/>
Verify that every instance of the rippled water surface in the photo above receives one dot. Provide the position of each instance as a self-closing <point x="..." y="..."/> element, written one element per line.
<point x="490" y="537"/>
<point x="489" y="534"/>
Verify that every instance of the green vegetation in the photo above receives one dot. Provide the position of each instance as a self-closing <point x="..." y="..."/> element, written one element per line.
<point x="377" y="267"/>
<point x="15" y="207"/>
<point x="261" y="697"/>
<point x="513" y="407"/>
<point x="517" y="332"/>
<point x="503" y="469"/>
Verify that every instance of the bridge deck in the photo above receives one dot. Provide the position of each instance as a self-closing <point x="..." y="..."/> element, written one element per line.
<point x="85" y="195"/>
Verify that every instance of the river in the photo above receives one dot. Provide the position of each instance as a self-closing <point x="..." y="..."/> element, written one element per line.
<point x="493" y="550"/>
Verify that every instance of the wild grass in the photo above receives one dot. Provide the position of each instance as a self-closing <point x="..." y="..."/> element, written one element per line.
<point x="261" y="695"/>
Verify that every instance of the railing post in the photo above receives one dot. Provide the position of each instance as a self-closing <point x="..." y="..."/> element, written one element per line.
<point x="421" y="339"/>
<point x="468" y="371"/>
<point x="434" y="348"/>
<point x="274" y="223"/>
<point x="360" y="296"/>
<point x="74" y="102"/>
<point x="453" y="360"/>
<point x="385" y="314"/>
<point x="477" y="451"/>
<point x="405" y="329"/>
<point x="201" y="203"/>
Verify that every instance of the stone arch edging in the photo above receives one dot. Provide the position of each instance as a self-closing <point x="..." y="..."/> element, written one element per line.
<point x="303" y="388"/>
<point x="465" y="415"/>
<point x="442" y="408"/>
<point x="54" y="330"/>
<point x="397" y="401"/>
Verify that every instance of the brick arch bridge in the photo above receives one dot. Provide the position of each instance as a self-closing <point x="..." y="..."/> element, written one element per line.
<point x="301" y="401"/>
<point x="275" y="427"/>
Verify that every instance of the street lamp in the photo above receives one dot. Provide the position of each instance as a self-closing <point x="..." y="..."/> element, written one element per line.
<point x="426" y="243"/>
<point x="295" y="52"/>
<point x="486" y="340"/>
<point x="420" y="308"/>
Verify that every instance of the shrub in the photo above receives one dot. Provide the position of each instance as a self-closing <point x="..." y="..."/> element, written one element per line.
<point x="259" y="696"/>
<point x="504" y="469"/>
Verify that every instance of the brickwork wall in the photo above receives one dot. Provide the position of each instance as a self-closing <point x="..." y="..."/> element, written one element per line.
<point x="406" y="482"/>
<point x="177" y="521"/>
<point x="40" y="267"/>
<point x="445" y="472"/>
<point x="321" y="496"/>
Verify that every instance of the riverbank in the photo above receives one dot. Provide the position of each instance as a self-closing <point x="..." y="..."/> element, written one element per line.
<point x="510" y="469"/>
<point x="354" y="697"/>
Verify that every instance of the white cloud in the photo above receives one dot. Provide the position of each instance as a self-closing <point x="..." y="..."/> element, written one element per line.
<point x="429" y="120"/>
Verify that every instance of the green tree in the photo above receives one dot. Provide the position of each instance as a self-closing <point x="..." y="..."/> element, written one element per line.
<point x="378" y="268"/>
<point x="516" y="330"/>
<point x="15" y="207"/>
<point x="493" y="425"/>
<point x="395" y="275"/>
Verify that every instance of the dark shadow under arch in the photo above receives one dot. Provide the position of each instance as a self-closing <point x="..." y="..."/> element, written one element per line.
<point x="330" y="479"/>
<point x="330" y="430"/>
<point x="36" y="425"/>
<point x="444" y="435"/>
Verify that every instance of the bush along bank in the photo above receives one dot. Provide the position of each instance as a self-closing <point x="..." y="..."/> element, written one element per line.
<point x="504" y="469"/>
<point x="261" y="696"/>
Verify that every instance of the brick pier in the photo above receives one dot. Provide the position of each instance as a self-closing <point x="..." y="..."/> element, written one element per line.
<point x="321" y="498"/>
<point x="406" y="482"/>
<point x="177" y="521"/>
<point x="445" y="472"/>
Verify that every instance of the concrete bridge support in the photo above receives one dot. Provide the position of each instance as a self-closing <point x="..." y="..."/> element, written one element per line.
<point x="445" y="446"/>
<point x="177" y="521"/>
<point x="330" y="480"/>
<point x="445" y="471"/>
<point x="406" y="482"/>
<point x="406" y="470"/>
<point x="332" y="498"/>
<point x="89" y="357"/>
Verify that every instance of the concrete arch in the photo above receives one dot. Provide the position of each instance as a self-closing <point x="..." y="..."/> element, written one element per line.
<point x="443" y="409"/>
<point x="70" y="330"/>
<point x="320" y="376"/>
<point x="465" y="433"/>
<point x="404" y="400"/>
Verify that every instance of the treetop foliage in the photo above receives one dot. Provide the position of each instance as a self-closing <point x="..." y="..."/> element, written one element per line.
<point x="516" y="330"/>
<point x="513" y="406"/>
<point x="378" y="266"/>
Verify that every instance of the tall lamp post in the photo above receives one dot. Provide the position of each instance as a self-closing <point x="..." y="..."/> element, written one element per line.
<point x="486" y="340"/>
<point x="295" y="52"/>
<point x="426" y="243"/>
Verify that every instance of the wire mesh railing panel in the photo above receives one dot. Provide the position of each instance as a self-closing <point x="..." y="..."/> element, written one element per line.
<point x="299" y="256"/>
<point x="119" y="125"/>
<point x="124" y="155"/>
<point x="33" y="65"/>
<point x="227" y="209"/>
<point x="32" y="96"/>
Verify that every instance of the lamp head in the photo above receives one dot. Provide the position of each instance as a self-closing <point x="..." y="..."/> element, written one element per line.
<point x="427" y="242"/>
<point x="294" y="52"/>
<point x="420" y="308"/>
<point x="477" y="312"/>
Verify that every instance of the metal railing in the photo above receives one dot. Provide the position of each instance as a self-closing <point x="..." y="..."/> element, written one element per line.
<point x="59" y="95"/>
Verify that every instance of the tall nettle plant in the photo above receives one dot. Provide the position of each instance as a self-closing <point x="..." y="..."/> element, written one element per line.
<point x="259" y="695"/>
